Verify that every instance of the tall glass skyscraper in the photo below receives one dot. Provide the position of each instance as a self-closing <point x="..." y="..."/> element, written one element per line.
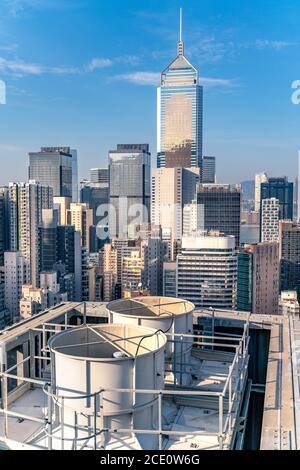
<point x="129" y="188"/>
<point x="56" y="167"/>
<point x="180" y="114"/>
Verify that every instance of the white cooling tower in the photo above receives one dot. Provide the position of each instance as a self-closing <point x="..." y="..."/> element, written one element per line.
<point x="170" y="315"/>
<point x="91" y="358"/>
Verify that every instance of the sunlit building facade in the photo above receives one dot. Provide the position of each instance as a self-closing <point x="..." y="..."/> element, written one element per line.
<point x="179" y="115"/>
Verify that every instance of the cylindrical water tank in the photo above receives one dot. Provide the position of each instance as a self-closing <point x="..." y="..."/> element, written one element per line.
<point x="110" y="357"/>
<point x="171" y="315"/>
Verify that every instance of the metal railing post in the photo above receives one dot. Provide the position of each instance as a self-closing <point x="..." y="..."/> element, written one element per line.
<point x="101" y="407"/>
<point x="62" y="423"/>
<point x="221" y="415"/>
<point x="5" y="404"/>
<point x="50" y="412"/>
<point x="181" y="359"/>
<point x="75" y="430"/>
<point x="95" y="421"/>
<point x="160" y="421"/>
<point x="230" y="396"/>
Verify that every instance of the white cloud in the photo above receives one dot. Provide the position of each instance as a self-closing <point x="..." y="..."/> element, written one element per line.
<point x="9" y="47"/>
<point x="217" y="82"/>
<point x="140" y="78"/>
<point x="20" y="67"/>
<point x="99" y="63"/>
<point x="153" y="79"/>
<point x="269" y="44"/>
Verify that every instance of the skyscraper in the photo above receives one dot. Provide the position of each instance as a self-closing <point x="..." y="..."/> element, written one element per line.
<point x="289" y="252"/>
<point x="4" y="219"/>
<point x="96" y="195"/>
<point x="171" y="190"/>
<point x="55" y="167"/>
<point x="180" y="114"/>
<point x="259" y="179"/>
<point x="99" y="175"/>
<point x="258" y="278"/>
<point x="26" y="202"/>
<point x="207" y="270"/>
<point x="298" y="189"/>
<point x="81" y="217"/>
<point x="208" y="173"/>
<point x="222" y="208"/>
<point x="48" y="240"/>
<point x="2" y="229"/>
<point x="129" y="186"/>
<point x="281" y="189"/>
<point x="75" y="189"/>
<point x="270" y="210"/>
<point x="69" y="261"/>
<point x="16" y="274"/>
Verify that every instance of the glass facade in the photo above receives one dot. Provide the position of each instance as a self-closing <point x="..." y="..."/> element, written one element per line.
<point x="75" y="192"/>
<point x="53" y="167"/>
<point x="129" y="185"/>
<point x="290" y="257"/>
<point x="244" y="282"/>
<point x="281" y="189"/>
<point x="222" y="208"/>
<point x="179" y="115"/>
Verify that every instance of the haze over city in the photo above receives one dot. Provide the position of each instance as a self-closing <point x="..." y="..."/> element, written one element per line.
<point x="84" y="73"/>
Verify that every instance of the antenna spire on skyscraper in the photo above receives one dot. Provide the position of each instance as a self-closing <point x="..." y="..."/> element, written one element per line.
<point x="180" y="28"/>
<point x="180" y="42"/>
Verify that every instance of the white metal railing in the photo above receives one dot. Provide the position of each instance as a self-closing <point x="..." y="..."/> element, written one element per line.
<point x="230" y="395"/>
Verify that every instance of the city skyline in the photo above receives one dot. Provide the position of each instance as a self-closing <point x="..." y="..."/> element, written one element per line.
<point x="89" y="95"/>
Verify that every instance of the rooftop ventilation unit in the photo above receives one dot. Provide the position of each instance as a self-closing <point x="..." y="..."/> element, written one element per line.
<point x="110" y="358"/>
<point x="172" y="316"/>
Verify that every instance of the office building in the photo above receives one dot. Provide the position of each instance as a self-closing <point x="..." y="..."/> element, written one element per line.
<point x="62" y="204"/>
<point x="180" y="114"/>
<point x="208" y="170"/>
<point x="171" y="190"/>
<point x="193" y="219"/>
<point x="258" y="278"/>
<point x="132" y="271"/>
<point x="33" y="301"/>
<point x="298" y="189"/>
<point x="13" y="216"/>
<point x="81" y="217"/>
<point x="75" y="192"/>
<point x="207" y="271"/>
<point x="129" y="186"/>
<point x="270" y="213"/>
<point x="54" y="167"/>
<point x="48" y="240"/>
<point x="99" y="175"/>
<point x="245" y="282"/>
<point x="155" y="253"/>
<point x="16" y="274"/>
<point x="96" y="195"/>
<point x="109" y="261"/>
<point x="281" y="189"/>
<point x="288" y="304"/>
<point x="26" y="203"/>
<point x="289" y="252"/>
<point x="222" y="208"/>
<point x="259" y="179"/>
<point x="3" y="222"/>
<point x="69" y="261"/>
<point x="169" y="279"/>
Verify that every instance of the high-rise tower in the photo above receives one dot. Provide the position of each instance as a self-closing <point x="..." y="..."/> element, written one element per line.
<point x="180" y="114"/>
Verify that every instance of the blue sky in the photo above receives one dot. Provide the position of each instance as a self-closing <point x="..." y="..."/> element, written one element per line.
<point x="83" y="73"/>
